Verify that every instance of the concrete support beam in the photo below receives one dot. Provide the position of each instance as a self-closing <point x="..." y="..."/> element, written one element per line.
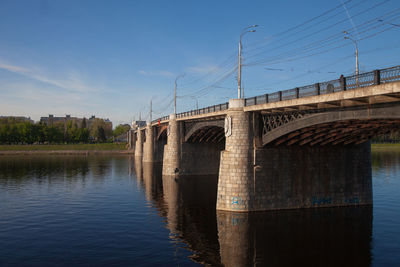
<point x="139" y="144"/>
<point x="148" y="146"/>
<point x="172" y="153"/>
<point x="131" y="139"/>
<point x="235" y="182"/>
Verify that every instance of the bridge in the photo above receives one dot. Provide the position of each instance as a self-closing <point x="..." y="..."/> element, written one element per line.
<point x="298" y="148"/>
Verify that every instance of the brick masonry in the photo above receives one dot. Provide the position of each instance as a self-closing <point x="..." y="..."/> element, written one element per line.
<point x="288" y="177"/>
<point x="139" y="144"/>
<point x="235" y="182"/>
<point x="172" y="148"/>
<point x="148" y="146"/>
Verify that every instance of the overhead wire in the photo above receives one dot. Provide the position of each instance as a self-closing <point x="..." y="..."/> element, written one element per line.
<point x="301" y="24"/>
<point x="323" y="42"/>
<point x="320" y="30"/>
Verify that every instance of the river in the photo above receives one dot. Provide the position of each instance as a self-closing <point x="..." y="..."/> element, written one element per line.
<point x="111" y="211"/>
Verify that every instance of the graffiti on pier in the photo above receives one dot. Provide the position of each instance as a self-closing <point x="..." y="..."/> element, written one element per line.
<point x="321" y="200"/>
<point x="237" y="202"/>
<point x="353" y="200"/>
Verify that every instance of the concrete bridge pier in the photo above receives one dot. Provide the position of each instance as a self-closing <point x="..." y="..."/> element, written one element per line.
<point x="148" y="146"/>
<point x="172" y="151"/>
<point x="235" y="184"/>
<point x="139" y="145"/>
<point x="131" y="139"/>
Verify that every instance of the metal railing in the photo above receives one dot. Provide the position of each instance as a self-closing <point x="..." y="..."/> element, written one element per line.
<point x="205" y="110"/>
<point x="342" y="84"/>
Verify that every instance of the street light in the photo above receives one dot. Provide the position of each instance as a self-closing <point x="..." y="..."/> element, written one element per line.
<point x="179" y="76"/>
<point x="350" y="37"/>
<point x="244" y="31"/>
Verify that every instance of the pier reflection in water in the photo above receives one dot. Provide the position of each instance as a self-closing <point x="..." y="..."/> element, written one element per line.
<point x="313" y="237"/>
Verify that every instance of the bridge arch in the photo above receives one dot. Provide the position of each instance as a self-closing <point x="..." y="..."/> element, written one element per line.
<point x="336" y="127"/>
<point x="206" y="131"/>
<point x="162" y="132"/>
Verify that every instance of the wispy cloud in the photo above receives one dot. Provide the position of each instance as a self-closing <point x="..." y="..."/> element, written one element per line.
<point x="12" y="68"/>
<point x="162" y="73"/>
<point x="70" y="81"/>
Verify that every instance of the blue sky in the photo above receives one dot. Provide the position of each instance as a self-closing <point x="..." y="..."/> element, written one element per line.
<point x="109" y="58"/>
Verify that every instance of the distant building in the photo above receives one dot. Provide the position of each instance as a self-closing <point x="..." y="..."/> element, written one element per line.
<point x="108" y="123"/>
<point x="17" y="118"/>
<point x="50" y="120"/>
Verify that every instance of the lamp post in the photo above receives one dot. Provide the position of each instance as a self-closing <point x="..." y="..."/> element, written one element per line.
<point x="179" y="76"/>
<point x="350" y="37"/>
<point x="244" y="31"/>
<point x="151" y="110"/>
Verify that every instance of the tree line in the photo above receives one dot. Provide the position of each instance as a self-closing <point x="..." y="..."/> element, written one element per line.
<point x="17" y="131"/>
<point x="392" y="137"/>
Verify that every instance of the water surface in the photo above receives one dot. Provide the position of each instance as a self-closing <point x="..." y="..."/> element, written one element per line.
<point x="111" y="211"/>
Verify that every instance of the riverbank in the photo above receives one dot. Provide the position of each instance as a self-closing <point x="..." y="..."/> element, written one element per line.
<point x="386" y="147"/>
<point x="109" y="148"/>
<point x="69" y="149"/>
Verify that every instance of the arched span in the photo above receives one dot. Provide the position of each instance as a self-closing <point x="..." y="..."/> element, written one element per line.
<point x="143" y="132"/>
<point x="208" y="134"/>
<point x="162" y="131"/>
<point x="204" y="125"/>
<point x="336" y="127"/>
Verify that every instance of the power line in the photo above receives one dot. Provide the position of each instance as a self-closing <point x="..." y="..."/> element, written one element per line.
<point x="321" y="43"/>
<point x="320" y="30"/>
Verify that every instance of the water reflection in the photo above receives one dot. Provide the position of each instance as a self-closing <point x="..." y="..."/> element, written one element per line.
<point x="152" y="181"/>
<point x="13" y="168"/>
<point x="386" y="161"/>
<point x="68" y="169"/>
<point x="313" y="237"/>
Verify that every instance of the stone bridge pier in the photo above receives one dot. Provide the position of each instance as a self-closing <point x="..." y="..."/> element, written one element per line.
<point x="255" y="176"/>
<point x="139" y="145"/>
<point x="235" y="182"/>
<point x="148" y="146"/>
<point x="171" y="159"/>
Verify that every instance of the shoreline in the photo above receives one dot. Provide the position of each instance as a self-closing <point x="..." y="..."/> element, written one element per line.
<point x="374" y="147"/>
<point x="65" y="152"/>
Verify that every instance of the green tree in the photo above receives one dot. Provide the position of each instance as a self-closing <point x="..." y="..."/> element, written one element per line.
<point x="121" y="129"/>
<point x="101" y="134"/>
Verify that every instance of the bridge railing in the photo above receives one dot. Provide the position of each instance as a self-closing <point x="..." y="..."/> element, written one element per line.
<point x="165" y="118"/>
<point x="205" y="110"/>
<point x="342" y="84"/>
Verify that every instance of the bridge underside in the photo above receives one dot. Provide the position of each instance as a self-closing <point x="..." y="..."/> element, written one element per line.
<point x="201" y="151"/>
<point x="354" y="125"/>
<point x="339" y="133"/>
<point x="208" y="134"/>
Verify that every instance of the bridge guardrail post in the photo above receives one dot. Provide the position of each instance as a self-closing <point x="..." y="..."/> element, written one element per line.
<point x="343" y="83"/>
<point x="377" y="77"/>
<point x="280" y="95"/>
<point x="297" y="92"/>
<point x="317" y="88"/>
<point x="266" y="98"/>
